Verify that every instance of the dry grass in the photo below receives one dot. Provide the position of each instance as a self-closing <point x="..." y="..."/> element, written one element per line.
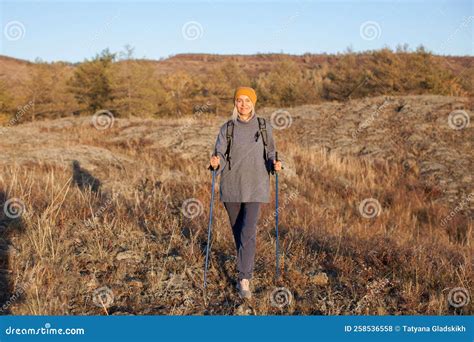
<point x="67" y="244"/>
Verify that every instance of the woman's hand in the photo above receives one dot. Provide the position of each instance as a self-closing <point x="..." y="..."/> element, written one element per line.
<point x="215" y="162"/>
<point x="277" y="165"/>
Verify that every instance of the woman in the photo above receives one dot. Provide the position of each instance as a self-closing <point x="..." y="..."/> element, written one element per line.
<point x="245" y="177"/>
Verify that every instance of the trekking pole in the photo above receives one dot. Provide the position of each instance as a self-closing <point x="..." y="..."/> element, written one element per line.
<point x="276" y="219"/>
<point x="210" y="222"/>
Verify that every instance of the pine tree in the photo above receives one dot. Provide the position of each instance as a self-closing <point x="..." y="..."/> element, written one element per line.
<point x="90" y="83"/>
<point x="39" y="91"/>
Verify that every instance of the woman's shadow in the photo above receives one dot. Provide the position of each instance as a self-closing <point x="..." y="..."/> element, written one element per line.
<point x="84" y="179"/>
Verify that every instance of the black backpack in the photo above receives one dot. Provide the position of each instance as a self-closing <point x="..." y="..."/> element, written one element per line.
<point x="262" y="130"/>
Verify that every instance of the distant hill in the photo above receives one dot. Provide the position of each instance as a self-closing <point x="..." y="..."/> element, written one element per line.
<point x="199" y="62"/>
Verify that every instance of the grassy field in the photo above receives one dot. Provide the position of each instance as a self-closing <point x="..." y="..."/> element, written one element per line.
<point x="114" y="220"/>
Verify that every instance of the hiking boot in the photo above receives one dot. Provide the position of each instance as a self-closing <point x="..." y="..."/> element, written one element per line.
<point x="244" y="288"/>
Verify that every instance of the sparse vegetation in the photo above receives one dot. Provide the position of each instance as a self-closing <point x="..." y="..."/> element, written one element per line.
<point x="103" y="210"/>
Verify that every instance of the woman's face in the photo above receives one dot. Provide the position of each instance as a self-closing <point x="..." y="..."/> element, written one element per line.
<point x="244" y="105"/>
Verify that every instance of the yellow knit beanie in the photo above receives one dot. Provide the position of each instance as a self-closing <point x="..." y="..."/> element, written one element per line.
<point x="250" y="92"/>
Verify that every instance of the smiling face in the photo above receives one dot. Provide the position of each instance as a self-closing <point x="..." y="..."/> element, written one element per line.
<point x="244" y="105"/>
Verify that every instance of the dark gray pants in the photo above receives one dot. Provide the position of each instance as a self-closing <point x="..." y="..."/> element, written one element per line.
<point x="243" y="219"/>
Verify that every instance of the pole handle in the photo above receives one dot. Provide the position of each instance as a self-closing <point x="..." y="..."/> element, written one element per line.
<point x="210" y="166"/>
<point x="276" y="158"/>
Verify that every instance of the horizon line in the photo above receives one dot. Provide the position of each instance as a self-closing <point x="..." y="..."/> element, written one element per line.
<point x="144" y="58"/>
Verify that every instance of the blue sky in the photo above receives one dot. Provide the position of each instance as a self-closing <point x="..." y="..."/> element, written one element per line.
<point x="75" y="30"/>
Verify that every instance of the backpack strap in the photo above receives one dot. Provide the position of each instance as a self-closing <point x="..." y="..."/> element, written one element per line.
<point x="263" y="132"/>
<point x="229" y="135"/>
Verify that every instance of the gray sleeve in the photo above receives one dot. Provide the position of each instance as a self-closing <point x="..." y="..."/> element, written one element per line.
<point x="271" y="148"/>
<point x="221" y="146"/>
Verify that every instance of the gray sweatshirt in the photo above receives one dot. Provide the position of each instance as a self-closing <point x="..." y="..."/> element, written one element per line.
<point x="248" y="180"/>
